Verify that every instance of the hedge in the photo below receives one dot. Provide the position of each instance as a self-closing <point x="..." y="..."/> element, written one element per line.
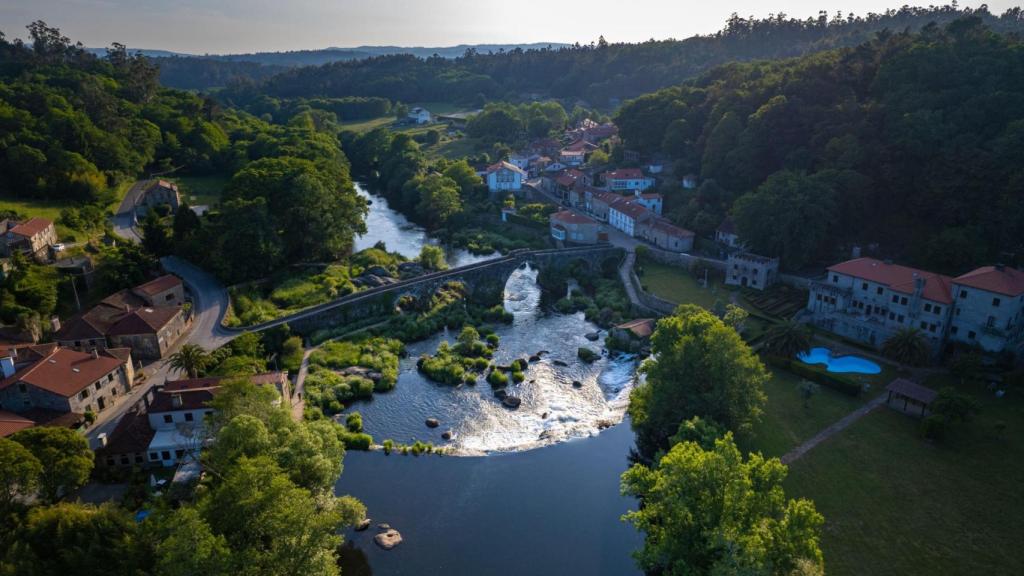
<point x="837" y="382"/>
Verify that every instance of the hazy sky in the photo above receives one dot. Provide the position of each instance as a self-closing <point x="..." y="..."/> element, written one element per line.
<point x="219" y="26"/>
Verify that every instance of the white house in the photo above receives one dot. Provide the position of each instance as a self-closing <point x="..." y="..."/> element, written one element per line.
<point x="868" y="300"/>
<point x="419" y="115"/>
<point x="726" y="234"/>
<point x="988" y="308"/>
<point x="651" y="201"/>
<point x="750" y="270"/>
<point x="627" y="180"/>
<point x="555" y="167"/>
<point x="627" y="215"/>
<point x="522" y="160"/>
<point x="178" y="416"/>
<point x="505" y="177"/>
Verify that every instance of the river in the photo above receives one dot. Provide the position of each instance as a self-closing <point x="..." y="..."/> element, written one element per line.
<point x="545" y="499"/>
<point x="402" y="236"/>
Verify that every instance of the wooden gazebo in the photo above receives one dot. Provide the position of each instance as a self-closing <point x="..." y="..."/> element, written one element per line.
<point x="911" y="393"/>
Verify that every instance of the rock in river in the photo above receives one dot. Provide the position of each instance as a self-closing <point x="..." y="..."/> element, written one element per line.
<point x="593" y="336"/>
<point x="560" y="363"/>
<point x="577" y="384"/>
<point x="447" y="434"/>
<point x="512" y="401"/>
<point x="433" y="422"/>
<point x="388" y="539"/>
<point x="363" y="525"/>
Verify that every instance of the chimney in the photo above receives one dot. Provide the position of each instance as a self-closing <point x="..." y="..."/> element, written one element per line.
<point x="102" y="439"/>
<point x="127" y="309"/>
<point x="176" y="400"/>
<point x="95" y="354"/>
<point x="54" y="324"/>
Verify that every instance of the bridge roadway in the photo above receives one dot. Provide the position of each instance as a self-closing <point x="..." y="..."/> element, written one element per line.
<point x="432" y="280"/>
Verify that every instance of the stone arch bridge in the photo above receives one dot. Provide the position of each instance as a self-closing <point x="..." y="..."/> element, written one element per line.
<point x="486" y="275"/>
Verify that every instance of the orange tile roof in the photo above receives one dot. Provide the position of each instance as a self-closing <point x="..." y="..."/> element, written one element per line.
<point x="31" y="227"/>
<point x="11" y="423"/>
<point x="65" y="372"/>
<point x="641" y="327"/>
<point x="161" y="284"/>
<point x="570" y="217"/>
<point x="632" y="209"/>
<point x="937" y="287"/>
<point x="144" y="321"/>
<point x="1001" y="280"/>
<point x="504" y="165"/>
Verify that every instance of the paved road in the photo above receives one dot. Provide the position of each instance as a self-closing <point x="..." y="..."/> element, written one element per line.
<point x="124" y="220"/>
<point x="299" y="393"/>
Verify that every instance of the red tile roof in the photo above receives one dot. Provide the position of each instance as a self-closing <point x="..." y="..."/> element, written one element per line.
<point x="624" y="174"/>
<point x="632" y="209"/>
<point x="642" y="327"/>
<point x="65" y="372"/>
<point x="11" y="423"/>
<point x="31" y="227"/>
<point x="132" y="434"/>
<point x="579" y="146"/>
<point x="197" y="392"/>
<point x="937" y="287"/>
<point x="504" y="165"/>
<point x="144" y="321"/>
<point x="1001" y="280"/>
<point x="570" y="217"/>
<point x="671" y="229"/>
<point x="161" y="284"/>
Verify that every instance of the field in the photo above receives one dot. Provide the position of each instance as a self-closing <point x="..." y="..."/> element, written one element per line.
<point x="897" y="504"/>
<point x="50" y="210"/>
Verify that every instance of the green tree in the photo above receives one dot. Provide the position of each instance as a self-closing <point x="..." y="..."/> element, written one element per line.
<point x="788" y="339"/>
<point x="700" y="367"/>
<point x="64" y="455"/>
<point x="464" y="176"/>
<point x="156" y="237"/>
<point x="19" y="472"/>
<point x="186" y="546"/>
<point x="788" y="216"/>
<point x="191" y="359"/>
<point x="907" y="346"/>
<point x="710" y="512"/>
<point x="439" y="199"/>
<point x="432" y="258"/>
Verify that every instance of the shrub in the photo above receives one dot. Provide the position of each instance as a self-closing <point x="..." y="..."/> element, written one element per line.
<point x="497" y="379"/>
<point x="587" y="355"/>
<point x="354" y="422"/>
<point x="518" y="376"/>
<point x="388" y="445"/>
<point x="836" y="382"/>
<point x="356" y="441"/>
<point x="291" y="354"/>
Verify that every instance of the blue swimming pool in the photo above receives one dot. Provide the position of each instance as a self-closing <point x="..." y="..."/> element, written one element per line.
<point x="844" y="364"/>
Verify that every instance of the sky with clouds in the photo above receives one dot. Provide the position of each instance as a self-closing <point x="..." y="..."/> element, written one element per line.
<point x="231" y="26"/>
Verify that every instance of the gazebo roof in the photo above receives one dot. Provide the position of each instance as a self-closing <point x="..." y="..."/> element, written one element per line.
<point x="912" y="390"/>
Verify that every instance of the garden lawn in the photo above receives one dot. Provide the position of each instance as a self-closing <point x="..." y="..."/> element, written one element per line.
<point x="365" y="125"/>
<point x="50" y="210"/>
<point x="896" y="504"/>
<point x="786" y="422"/>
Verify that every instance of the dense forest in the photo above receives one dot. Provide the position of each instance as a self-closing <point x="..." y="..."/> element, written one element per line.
<point x="912" y="141"/>
<point x="602" y="73"/>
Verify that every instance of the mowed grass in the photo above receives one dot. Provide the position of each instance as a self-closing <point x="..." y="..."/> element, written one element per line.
<point x="202" y="190"/>
<point x="50" y="209"/>
<point x="897" y="504"/>
<point x="366" y="125"/>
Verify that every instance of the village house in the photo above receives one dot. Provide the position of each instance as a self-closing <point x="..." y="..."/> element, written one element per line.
<point x="726" y="234"/>
<point x="600" y="203"/>
<point x="750" y="270"/>
<point x="418" y="115"/>
<point x="523" y="160"/>
<point x="149" y="319"/>
<point x="170" y="427"/>
<point x="572" y="157"/>
<point x="989" y="309"/>
<point x="627" y="216"/>
<point x="667" y="236"/>
<point x="652" y="201"/>
<point x="160" y="192"/>
<point x="67" y="381"/>
<point x="574" y="228"/>
<point x="505" y="177"/>
<point x="868" y="300"/>
<point x="627" y="180"/>
<point x="554" y="167"/>
<point x="568" y="182"/>
<point x="545" y="146"/>
<point x="34" y="237"/>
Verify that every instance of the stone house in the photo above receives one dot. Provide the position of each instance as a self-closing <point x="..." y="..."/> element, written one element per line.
<point x="69" y="381"/>
<point x="667" y="236"/>
<point x="750" y="270"/>
<point x="988" y="305"/>
<point x="160" y="192"/>
<point x="572" y="228"/>
<point x="34" y="237"/>
<point x="504" y="177"/>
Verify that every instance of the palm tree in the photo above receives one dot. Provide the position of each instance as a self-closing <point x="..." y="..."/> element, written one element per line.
<point x="191" y="359"/>
<point x="907" y="346"/>
<point x="788" y="339"/>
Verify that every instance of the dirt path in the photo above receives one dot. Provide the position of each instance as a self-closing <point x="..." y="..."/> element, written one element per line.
<point x="833" y="429"/>
<point x="298" y="395"/>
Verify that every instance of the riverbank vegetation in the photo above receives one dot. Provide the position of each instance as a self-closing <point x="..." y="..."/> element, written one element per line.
<point x="346" y="370"/>
<point x="462" y="363"/>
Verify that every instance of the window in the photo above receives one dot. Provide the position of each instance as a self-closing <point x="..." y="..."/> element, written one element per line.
<point x="98" y="384"/>
<point x="84" y="394"/>
<point x="924" y="325"/>
<point x="168" y="418"/>
<point x="879" y="291"/>
<point x="903" y="300"/>
<point x="209" y="413"/>
<point x="154" y="456"/>
<point x="932" y="327"/>
<point x="963" y="294"/>
<point x="138" y="459"/>
<point x="110" y="461"/>
<point x="937" y="309"/>
<point x="188" y="416"/>
<point x="895" y="299"/>
<point x="817" y="297"/>
<point x="927" y="307"/>
<point x="864" y="286"/>
<point x="971" y="334"/>
<point x="991" y="321"/>
<point x="957" y="311"/>
<point x="835" y="279"/>
<point x="954" y="330"/>
<point x="22" y="387"/>
<point x="892" y="315"/>
<point x="179" y="453"/>
<point x="900" y="318"/>
<point x="165" y="455"/>
<point x="995" y="302"/>
<point x="124" y="460"/>
<point x="169" y="297"/>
